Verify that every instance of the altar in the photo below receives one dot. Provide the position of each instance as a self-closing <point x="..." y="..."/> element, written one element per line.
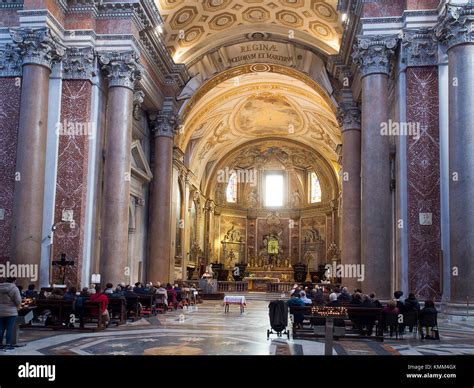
<point x="260" y="283"/>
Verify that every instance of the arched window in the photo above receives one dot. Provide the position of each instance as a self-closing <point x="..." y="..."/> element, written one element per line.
<point x="231" y="190"/>
<point x="314" y="188"/>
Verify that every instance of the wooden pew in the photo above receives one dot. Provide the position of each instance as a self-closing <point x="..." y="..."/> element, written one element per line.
<point x="64" y="313"/>
<point x="118" y="310"/>
<point x="314" y="323"/>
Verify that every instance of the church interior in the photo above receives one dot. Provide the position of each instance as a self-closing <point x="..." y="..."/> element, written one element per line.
<point x="190" y="157"/>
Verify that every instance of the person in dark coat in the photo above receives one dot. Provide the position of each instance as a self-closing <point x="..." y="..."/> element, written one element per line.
<point x="428" y="312"/>
<point x="344" y="296"/>
<point x="398" y="298"/>
<point x="411" y="303"/>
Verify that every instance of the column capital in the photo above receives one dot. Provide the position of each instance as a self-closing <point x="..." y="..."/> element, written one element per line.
<point x="37" y="46"/>
<point x="164" y="123"/>
<point x="10" y="61"/>
<point x="122" y="68"/>
<point x="373" y="54"/>
<point x="420" y="47"/>
<point x="457" y="25"/>
<point x="78" y="63"/>
<point x="348" y="116"/>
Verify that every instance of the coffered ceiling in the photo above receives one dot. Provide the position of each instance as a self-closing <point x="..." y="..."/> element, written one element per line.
<point x="193" y="27"/>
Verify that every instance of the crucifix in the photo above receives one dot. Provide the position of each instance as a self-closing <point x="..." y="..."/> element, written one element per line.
<point x="62" y="263"/>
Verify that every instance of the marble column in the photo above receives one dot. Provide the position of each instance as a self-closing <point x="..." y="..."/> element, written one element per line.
<point x="457" y="33"/>
<point x="123" y="71"/>
<point x="163" y="125"/>
<point x="39" y="50"/>
<point x="349" y="120"/>
<point x="373" y="54"/>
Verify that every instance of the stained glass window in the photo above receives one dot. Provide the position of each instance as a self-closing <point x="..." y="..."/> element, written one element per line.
<point x="231" y="191"/>
<point x="315" y="188"/>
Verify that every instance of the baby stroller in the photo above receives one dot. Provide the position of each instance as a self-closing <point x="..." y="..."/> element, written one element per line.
<point x="278" y="312"/>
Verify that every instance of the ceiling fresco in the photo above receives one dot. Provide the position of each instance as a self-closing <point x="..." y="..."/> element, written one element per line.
<point x="256" y="106"/>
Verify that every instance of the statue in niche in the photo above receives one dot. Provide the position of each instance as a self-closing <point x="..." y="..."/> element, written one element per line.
<point x="295" y="198"/>
<point x="231" y="259"/>
<point x="233" y="235"/>
<point x="312" y="236"/>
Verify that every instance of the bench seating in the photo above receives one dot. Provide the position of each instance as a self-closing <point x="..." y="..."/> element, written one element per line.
<point x="64" y="314"/>
<point x="314" y="324"/>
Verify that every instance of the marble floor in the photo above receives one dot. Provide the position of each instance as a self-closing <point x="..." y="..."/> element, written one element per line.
<point x="206" y="330"/>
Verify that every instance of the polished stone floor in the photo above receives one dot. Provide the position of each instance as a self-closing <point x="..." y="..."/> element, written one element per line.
<point x="206" y="330"/>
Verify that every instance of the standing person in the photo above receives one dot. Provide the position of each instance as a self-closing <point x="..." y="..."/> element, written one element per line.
<point x="10" y="301"/>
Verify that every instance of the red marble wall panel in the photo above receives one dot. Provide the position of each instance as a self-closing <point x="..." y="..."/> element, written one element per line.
<point x="423" y="177"/>
<point x="9" y="18"/>
<point x="383" y="8"/>
<point x="10" y="91"/>
<point x="114" y="26"/>
<point x="422" y="4"/>
<point x="71" y="186"/>
<point x="80" y="21"/>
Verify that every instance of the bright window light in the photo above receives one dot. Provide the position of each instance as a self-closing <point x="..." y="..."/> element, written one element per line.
<point x="315" y="188"/>
<point x="231" y="191"/>
<point x="274" y="190"/>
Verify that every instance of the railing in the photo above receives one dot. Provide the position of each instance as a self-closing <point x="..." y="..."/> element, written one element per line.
<point x="280" y="287"/>
<point x="232" y="286"/>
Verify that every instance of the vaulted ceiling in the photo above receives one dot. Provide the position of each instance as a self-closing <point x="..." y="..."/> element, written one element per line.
<point x="193" y="27"/>
<point x="255" y="106"/>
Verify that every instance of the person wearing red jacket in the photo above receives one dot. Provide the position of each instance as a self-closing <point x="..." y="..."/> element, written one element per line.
<point x="99" y="296"/>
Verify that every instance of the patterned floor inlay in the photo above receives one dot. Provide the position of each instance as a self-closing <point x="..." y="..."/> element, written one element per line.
<point x="206" y="330"/>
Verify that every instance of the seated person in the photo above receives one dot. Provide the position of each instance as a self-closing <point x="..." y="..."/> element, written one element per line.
<point x="356" y="299"/>
<point x="344" y="296"/>
<point x="104" y="300"/>
<point x="375" y="301"/>
<point x="398" y="298"/>
<point x="57" y="294"/>
<point x="31" y="293"/>
<point x="411" y="303"/>
<point x="139" y="289"/>
<point x="118" y="293"/>
<point x="171" y="293"/>
<point x="70" y="294"/>
<point x="391" y="307"/>
<point x="333" y="301"/>
<point x="295" y="301"/>
<point x="305" y="299"/>
<point x="161" y="291"/>
<point x="366" y="322"/>
<point x="109" y="288"/>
